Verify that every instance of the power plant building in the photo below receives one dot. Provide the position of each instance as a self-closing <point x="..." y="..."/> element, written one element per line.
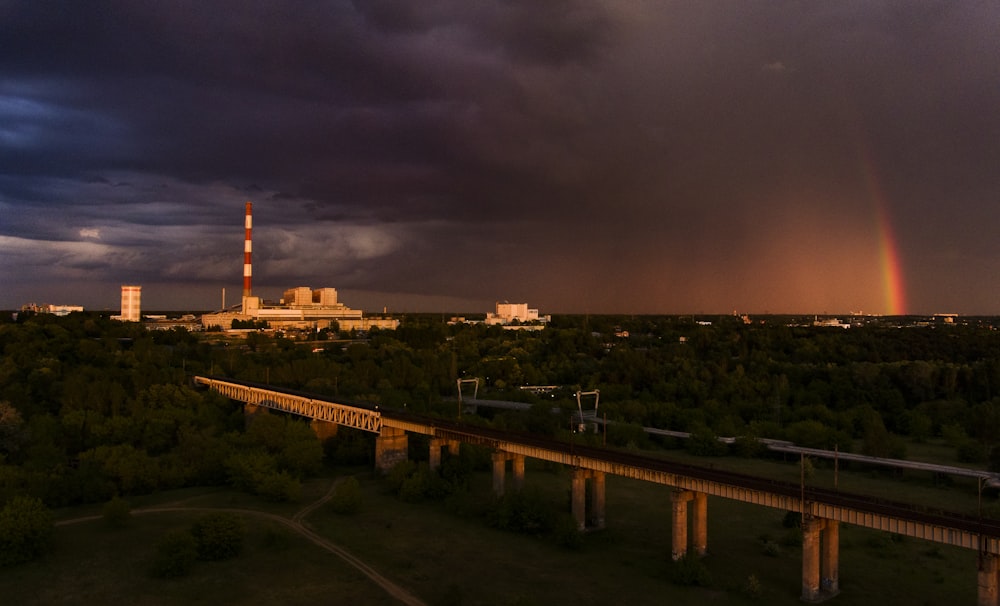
<point x="301" y="307"/>
<point x="509" y="313"/>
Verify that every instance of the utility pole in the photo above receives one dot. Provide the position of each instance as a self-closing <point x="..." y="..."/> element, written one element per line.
<point x="836" y="464"/>
<point x="802" y="487"/>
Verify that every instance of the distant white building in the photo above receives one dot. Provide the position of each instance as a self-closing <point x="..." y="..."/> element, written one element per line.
<point x="56" y="310"/>
<point x="509" y="313"/>
<point x="830" y="323"/>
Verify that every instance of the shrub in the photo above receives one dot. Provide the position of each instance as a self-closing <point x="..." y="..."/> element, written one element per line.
<point x="748" y="446"/>
<point x="25" y="530"/>
<point x="524" y="512"/>
<point x="346" y="496"/>
<point x="690" y="570"/>
<point x="176" y="553"/>
<point x="399" y="473"/>
<point x="704" y="442"/>
<point x="219" y="536"/>
<point x="413" y="488"/>
<point x="278" y="487"/>
<point x="752" y="587"/>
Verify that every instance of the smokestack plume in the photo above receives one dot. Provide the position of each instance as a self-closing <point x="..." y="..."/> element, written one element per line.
<point x="247" y="247"/>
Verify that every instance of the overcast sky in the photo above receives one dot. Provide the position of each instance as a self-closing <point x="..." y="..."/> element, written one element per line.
<point x="580" y="156"/>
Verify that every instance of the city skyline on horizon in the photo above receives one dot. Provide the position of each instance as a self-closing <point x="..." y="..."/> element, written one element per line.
<point x="584" y="157"/>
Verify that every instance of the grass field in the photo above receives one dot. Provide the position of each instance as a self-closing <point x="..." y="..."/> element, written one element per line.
<point x="448" y="558"/>
<point x="439" y="554"/>
<point x="93" y="564"/>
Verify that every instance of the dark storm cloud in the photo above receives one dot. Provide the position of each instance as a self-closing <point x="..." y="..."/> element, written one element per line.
<point x="584" y="156"/>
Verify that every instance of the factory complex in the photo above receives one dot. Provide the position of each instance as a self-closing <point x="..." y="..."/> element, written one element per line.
<point x="300" y="308"/>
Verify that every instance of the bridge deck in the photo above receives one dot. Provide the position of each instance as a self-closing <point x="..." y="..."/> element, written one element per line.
<point x="299" y="404"/>
<point x="907" y="520"/>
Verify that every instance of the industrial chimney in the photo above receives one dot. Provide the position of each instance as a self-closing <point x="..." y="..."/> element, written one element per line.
<point x="247" y="272"/>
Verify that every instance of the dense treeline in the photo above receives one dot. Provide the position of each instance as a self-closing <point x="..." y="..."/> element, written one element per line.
<point x="91" y="408"/>
<point x="866" y="388"/>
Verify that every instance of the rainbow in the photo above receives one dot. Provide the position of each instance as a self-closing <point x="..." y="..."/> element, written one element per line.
<point x="891" y="268"/>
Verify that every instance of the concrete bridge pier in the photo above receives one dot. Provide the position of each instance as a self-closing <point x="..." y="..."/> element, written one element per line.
<point x="989" y="578"/>
<point x="436" y="445"/>
<point x="699" y="523"/>
<point x="518" y="466"/>
<point x="391" y="448"/>
<point x="597" y="498"/>
<point x="820" y="559"/>
<point x="500" y="459"/>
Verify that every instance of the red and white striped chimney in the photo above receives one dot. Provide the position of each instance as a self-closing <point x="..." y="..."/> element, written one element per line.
<point x="247" y="247"/>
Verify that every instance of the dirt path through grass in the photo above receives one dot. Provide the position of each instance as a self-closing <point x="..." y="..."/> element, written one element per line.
<point x="296" y="524"/>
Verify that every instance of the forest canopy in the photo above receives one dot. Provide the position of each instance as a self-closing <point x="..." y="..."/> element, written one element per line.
<point x="92" y="408"/>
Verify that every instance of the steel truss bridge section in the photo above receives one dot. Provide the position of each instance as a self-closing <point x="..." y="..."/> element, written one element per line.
<point x="970" y="532"/>
<point x="904" y="519"/>
<point x="305" y="405"/>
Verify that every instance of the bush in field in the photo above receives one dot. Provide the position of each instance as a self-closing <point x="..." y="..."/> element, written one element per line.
<point x="218" y="536"/>
<point x="690" y="570"/>
<point x="346" y="496"/>
<point x="413" y="483"/>
<point x="278" y="487"/>
<point x="257" y="472"/>
<point x="414" y="488"/>
<point x="752" y="588"/>
<point x="176" y="554"/>
<point x="524" y="512"/>
<point x="399" y="473"/>
<point x="704" y="442"/>
<point x="25" y="530"/>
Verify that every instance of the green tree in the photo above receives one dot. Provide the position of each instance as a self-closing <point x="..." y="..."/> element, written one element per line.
<point x="25" y="530"/>
<point x="279" y="487"/>
<point x="246" y="469"/>
<point x="346" y="496"/>
<point x="12" y="434"/>
<point x="875" y="438"/>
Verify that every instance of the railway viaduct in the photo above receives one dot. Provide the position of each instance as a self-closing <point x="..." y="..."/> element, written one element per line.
<point x="822" y="511"/>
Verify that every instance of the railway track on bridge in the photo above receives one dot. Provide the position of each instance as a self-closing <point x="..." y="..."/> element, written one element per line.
<point x="823" y="510"/>
<point x="493" y="438"/>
